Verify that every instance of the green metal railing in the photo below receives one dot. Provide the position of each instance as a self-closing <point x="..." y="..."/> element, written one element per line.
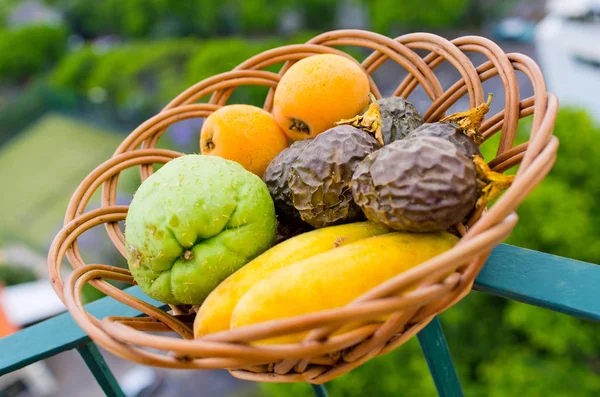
<point x="560" y="284"/>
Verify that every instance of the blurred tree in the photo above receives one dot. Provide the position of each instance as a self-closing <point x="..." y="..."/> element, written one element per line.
<point x="389" y="15"/>
<point x="161" y="70"/>
<point x="318" y="14"/>
<point x="130" y="18"/>
<point x="522" y="371"/>
<point x="29" y="50"/>
<point x="6" y="7"/>
<point x="481" y="11"/>
<point x="12" y="274"/>
<point x="145" y="18"/>
<point x="202" y="17"/>
<point x="259" y="16"/>
<point x="138" y="77"/>
<point x="74" y="68"/>
<point x="560" y="216"/>
<point x="163" y="18"/>
<point x="400" y="373"/>
<point x="38" y="98"/>
<point x="223" y="55"/>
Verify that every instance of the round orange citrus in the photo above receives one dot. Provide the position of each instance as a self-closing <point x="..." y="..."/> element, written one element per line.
<point x="243" y="133"/>
<point x="316" y="92"/>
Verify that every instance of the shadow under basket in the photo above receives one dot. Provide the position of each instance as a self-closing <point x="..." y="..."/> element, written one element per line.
<point x="324" y="354"/>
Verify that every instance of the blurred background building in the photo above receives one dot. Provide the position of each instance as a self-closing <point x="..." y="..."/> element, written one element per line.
<point x="76" y="76"/>
<point x="567" y="44"/>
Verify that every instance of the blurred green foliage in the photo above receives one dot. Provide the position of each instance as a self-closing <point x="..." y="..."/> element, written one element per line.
<point x="139" y="18"/>
<point x="203" y="18"/>
<point x="12" y="275"/>
<point x="29" y="50"/>
<point x="561" y="216"/>
<point x="136" y="76"/>
<point x="160" y="18"/>
<point x="141" y="77"/>
<point x="6" y="6"/>
<point x="257" y="16"/>
<point x="504" y="348"/>
<point x="403" y="373"/>
<point x="389" y="15"/>
<point x="35" y="100"/>
<point x="222" y="55"/>
<point x="42" y="168"/>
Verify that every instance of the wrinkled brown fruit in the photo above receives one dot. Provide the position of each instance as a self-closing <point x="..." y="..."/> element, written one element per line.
<point x="416" y="185"/>
<point x="398" y="118"/>
<point x="464" y="143"/>
<point x="388" y="119"/>
<point x="319" y="179"/>
<point x="276" y="177"/>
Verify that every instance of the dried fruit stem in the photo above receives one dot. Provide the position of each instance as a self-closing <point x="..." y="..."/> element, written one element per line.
<point x="370" y="121"/>
<point x="300" y="126"/>
<point x="209" y="144"/>
<point x="494" y="183"/>
<point x="471" y="120"/>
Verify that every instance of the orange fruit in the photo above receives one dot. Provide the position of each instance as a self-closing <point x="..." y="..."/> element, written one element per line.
<point x="316" y="92"/>
<point x="243" y="133"/>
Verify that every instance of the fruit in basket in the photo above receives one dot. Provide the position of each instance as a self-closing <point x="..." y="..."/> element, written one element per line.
<point x="490" y="184"/>
<point x="193" y="223"/>
<point x="388" y="119"/>
<point x="418" y="185"/>
<point x="243" y="133"/>
<point x="317" y="91"/>
<point x="398" y="118"/>
<point x="335" y="278"/>
<point x="319" y="179"/>
<point x="215" y="313"/>
<point x="369" y="121"/>
<point x="470" y="121"/>
<point x="464" y="143"/>
<point x="276" y="178"/>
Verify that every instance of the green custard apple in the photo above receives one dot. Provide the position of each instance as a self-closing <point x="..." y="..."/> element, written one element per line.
<point x="193" y="223"/>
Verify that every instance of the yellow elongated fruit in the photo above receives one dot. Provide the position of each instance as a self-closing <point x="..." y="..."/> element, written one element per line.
<point x="335" y="278"/>
<point x="215" y="313"/>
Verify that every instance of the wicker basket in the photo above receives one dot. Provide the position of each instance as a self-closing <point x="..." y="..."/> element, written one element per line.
<point x="320" y="357"/>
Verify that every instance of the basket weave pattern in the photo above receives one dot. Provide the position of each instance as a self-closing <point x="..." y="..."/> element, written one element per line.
<point x="322" y="356"/>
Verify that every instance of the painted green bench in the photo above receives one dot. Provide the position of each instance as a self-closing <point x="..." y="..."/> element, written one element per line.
<point x="556" y="283"/>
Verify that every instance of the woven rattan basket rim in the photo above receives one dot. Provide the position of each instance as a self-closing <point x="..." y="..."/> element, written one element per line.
<point x="441" y="281"/>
